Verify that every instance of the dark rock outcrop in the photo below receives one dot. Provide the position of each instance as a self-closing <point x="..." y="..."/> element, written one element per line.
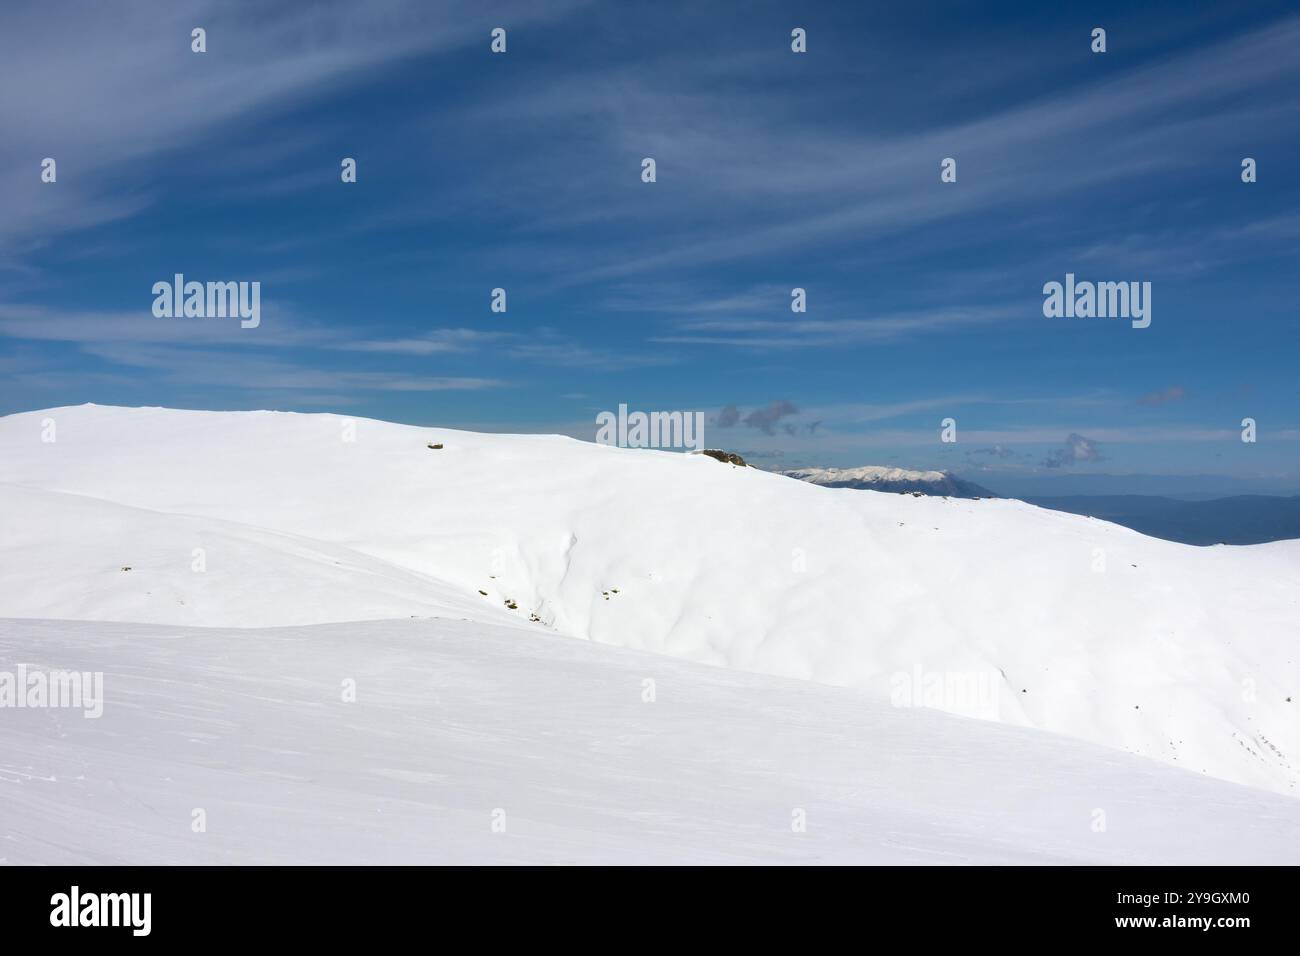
<point x="730" y="458"/>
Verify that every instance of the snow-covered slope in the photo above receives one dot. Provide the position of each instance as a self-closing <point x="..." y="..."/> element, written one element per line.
<point x="90" y="559"/>
<point x="1183" y="654"/>
<point x="459" y="726"/>
<point x="882" y="478"/>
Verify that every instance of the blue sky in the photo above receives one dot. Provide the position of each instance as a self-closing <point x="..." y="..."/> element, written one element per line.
<point x="775" y="170"/>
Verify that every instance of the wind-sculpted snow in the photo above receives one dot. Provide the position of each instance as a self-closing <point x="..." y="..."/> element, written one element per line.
<point x="463" y="742"/>
<point x="121" y="563"/>
<point x="1186" y="655"/>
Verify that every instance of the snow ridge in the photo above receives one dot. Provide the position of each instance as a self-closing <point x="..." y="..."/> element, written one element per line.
<point x="1065" y="623"/>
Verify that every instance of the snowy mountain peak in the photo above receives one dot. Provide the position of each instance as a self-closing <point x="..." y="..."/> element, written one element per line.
<point x="883" y="478"/>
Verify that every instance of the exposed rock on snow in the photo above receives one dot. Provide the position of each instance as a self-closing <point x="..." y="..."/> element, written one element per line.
<point x="730" y="458"/>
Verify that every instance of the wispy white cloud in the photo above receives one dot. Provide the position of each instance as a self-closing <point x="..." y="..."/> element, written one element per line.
<point x="799" y="331"/>
<point x="106" y="85"/>
<point x="434" y="342"/>
<point x="239" y="370"/>
<point x="820" y="185"/>
<point x="1175" y="393"/>
<point x="279" y="328"/>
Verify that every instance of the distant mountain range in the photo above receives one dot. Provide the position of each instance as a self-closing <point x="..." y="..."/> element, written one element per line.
<point x="1237" y="519"/>
<point x="1241" y="519"/>
<point x="879" y="478"/>
<point x="1062" y="484"/>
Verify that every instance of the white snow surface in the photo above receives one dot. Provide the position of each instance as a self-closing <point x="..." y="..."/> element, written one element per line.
<point x="457" y="726"/>
<point x="1181" y="654"/>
